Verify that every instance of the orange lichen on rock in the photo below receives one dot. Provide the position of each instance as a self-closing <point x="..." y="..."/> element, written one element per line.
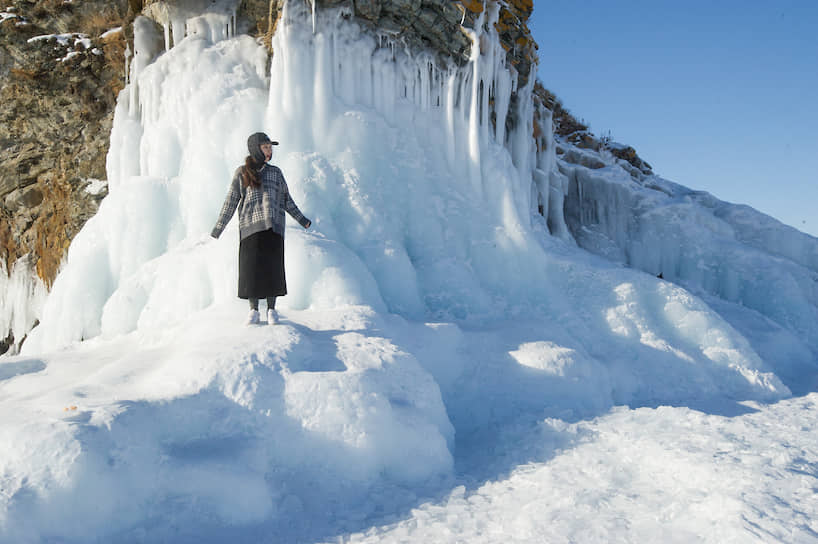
<point x="475" y="6"/>
<point x="53" y="230"/>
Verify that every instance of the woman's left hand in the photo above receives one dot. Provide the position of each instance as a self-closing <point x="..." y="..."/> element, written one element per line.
<point x="308" y="225"/>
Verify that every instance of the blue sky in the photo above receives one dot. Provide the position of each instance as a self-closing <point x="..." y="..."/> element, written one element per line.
<point x="719" y="96"/>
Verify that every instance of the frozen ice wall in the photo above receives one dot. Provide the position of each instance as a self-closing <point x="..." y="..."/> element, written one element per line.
<point x="179" y="128"/>
<point x="400" y="162"/>
<point x="420" y="204"/>
<point x="709" y="246"/>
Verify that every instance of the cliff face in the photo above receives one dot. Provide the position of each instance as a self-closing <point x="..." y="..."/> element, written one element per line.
<point x="437" y="25"/>
<point x="61" y="71"/>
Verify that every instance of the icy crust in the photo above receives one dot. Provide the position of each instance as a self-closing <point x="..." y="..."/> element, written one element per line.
<point x="695" y="240"/>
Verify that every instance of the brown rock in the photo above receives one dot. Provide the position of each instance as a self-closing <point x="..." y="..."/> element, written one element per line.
<point x="368" y="9"/>
<point x="55" y="121"/>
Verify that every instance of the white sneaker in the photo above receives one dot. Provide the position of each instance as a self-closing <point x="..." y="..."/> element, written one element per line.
<point x="252" y="317"/>
<point x="272" y="317"/>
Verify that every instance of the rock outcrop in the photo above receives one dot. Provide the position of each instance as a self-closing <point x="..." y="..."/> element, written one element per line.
<point x="572" y="131"/>
<point x="435" y="25"/>
<point x="62" y="65"/>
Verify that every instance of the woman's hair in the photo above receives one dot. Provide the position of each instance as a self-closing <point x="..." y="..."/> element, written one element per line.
<point x="255" y="160"/>
<point x="249" y="173"/>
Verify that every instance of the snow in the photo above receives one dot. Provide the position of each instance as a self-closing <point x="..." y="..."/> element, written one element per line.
<point x="450" y="365"/>
<point x="95" y="186"/>
<point x="78" y="43"/>
<point x="706" y="245"/>
<point x="111" y="32"/>
<point x="72" y="39"/>
<point x="668" y="474"/>
<point x="69" y="56"/>
<point x="9" y="13"/>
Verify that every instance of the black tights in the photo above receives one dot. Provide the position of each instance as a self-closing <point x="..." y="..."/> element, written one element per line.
<point x="271" y="303"/>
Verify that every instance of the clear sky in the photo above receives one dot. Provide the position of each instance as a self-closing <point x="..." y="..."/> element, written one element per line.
<point x="720" y="96"/>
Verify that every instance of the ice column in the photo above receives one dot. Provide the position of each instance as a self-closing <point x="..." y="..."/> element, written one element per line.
<point x="22" y="301"/>
<point x="475" y="172"/>
<point x="145" y="50"/>
<point x="323" y="61"/>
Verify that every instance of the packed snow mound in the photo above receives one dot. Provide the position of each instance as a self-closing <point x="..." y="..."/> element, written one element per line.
<point x="213" y="422"/>
<point x="429" y="306"/>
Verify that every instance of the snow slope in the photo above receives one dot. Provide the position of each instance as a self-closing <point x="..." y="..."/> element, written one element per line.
<point x="450" y="365"/>
<point x="669" y="474"/>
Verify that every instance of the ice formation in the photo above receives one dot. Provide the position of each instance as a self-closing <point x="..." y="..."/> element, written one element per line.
<point x="22" y="301"/>
<point x="412" y="236"/>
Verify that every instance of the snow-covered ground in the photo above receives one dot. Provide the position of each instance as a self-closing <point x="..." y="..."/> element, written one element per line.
<point x="743" y="473"/>
<point x="450" y="367"/>
<point x="367" y="427"/>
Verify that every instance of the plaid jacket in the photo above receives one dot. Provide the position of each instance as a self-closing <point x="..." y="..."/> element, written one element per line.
<point x="260" y="208"/>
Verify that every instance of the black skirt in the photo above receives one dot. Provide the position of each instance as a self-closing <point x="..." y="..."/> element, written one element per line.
<point x="261" y="266"/>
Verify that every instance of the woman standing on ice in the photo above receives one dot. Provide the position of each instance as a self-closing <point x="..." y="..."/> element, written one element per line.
<point x="260" y="193"/>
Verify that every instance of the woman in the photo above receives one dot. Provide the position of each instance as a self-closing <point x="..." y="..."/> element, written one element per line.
<point x="260" y="193"/>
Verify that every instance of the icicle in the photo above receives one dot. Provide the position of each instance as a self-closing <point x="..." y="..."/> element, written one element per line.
<point x="425" y="86"/>
<point x="521" y="143"/>
<point x="178" y="28"/>
<point x="128" y="56"/>
<point x="490" y="61"/>
<point x="167" y="35"/>
<point x="474" y="130"/>
<point x="336" y="66"/>
<point x="502" y="96"/>
<point x="347" y="75"/>
<point x="144" y="53"/>
<point x="450" y="107"/>
<point x="313" y="2"/>
<point x="322" y="87"/>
